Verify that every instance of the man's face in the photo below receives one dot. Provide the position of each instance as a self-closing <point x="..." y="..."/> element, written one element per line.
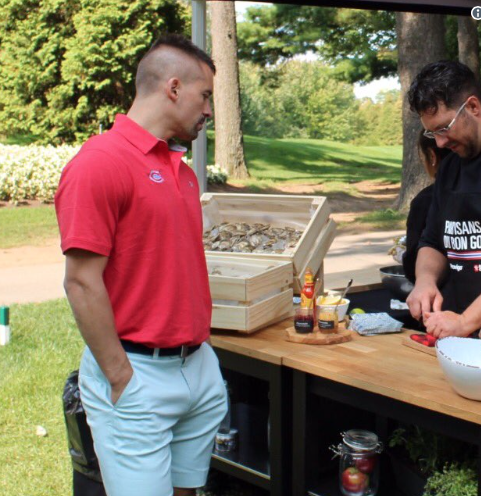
<point x="193" y="105"/>
<point x="462" y="138"/>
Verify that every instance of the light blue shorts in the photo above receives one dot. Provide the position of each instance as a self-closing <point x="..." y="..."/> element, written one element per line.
<point x="160" y="433"/>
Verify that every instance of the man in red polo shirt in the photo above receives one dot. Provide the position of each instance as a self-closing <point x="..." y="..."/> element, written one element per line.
<point x="136" y="278"/>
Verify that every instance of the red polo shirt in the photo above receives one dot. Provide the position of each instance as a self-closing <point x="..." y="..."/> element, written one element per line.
<point x="129" y="197"/>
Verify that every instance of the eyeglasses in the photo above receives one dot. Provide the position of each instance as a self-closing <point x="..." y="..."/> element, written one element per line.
<point x="443" y="131"/>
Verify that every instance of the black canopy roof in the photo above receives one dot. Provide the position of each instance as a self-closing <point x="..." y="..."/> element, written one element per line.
<point x="456" y="7"/>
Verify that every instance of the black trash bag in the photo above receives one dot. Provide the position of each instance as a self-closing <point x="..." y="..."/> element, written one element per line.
<point x="80" y="443"/>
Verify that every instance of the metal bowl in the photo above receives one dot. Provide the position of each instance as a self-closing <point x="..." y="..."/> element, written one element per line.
<point x="395" y="281"/>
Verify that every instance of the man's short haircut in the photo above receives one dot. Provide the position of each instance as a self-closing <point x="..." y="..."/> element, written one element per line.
<point x="146" y="79"/>
<point x="448" y="82"/>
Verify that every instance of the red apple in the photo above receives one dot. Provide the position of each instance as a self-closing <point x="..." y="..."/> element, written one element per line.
<point x="366" y="464"/>
<point x="354" y="481"/>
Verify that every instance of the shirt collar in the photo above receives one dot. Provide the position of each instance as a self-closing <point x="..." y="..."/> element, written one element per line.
<point x="136" y="134"/>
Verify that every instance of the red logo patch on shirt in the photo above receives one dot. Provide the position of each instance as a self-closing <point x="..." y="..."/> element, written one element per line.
<point x="156" y="176"/>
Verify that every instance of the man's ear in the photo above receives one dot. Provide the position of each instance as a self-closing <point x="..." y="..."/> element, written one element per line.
<point x="173" y="89"/>
<point x="474" y="106"/>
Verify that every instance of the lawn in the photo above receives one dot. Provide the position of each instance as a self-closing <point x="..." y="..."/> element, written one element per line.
<point x="45" y="347"/>
<point x="312" y="161"/>
<point x="27" y="225"/>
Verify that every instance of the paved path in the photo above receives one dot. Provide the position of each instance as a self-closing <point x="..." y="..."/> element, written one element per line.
<point x="358" y="256"/>
<point x="37" y="275"/>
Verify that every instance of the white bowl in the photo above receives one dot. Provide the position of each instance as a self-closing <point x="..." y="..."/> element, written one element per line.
<point x="460" y="360"/>
<point x="341" y="308"/>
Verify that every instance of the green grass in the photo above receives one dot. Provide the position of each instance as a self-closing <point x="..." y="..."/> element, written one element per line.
<point x="19" y="139"/>
<point x="384" y="219"/>
<point x="27" y="225"/>
<point x="272" y="161"/>
<point x="45" y="348"/>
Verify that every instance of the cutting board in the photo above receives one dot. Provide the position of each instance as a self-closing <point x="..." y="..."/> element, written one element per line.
<point x="407" y="341"/>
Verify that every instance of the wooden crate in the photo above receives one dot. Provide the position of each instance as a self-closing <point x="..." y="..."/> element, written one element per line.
<point x="308" y="213"/>
<point x="249" y="294"/>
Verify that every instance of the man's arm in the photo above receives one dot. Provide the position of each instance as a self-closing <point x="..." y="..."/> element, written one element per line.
<point x="92" y="309"/>
<point x="426" y="297"/>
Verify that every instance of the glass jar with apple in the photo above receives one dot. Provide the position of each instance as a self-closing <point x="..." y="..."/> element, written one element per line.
<point x="358" y="464"/>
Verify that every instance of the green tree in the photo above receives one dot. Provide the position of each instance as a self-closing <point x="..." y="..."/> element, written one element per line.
<point x="32" y="46"/>
<point x="67" y="66"/>
<point x="297" y="99"/>
<point x="380" y="123"/>
<point x="360" y="43"/>
<point x="260" y="108"/>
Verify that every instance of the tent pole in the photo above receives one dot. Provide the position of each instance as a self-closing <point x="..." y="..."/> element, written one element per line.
<point x="199" y="146"/>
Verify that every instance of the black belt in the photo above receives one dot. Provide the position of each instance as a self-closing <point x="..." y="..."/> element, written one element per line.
<point x="180" y="351"/>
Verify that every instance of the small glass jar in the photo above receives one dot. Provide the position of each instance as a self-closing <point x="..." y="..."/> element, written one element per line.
<point x="359" y="463"/>
<point x="304" y="320"/>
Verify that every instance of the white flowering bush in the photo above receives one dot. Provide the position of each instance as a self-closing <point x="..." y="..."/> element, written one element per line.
<point x="215" y="173"/>
<point x="32" y="172"/>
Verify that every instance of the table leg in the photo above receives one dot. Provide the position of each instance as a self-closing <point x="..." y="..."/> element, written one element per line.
<point x="479" y="462"/>
<point x="299" y="417"/>
<point x="280" y="401"/>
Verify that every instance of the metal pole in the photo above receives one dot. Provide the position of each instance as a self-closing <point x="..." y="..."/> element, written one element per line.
<point x="199" y="146"/>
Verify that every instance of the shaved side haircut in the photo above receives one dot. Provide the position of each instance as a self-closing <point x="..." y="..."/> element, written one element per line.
<point x="153" y="69"/>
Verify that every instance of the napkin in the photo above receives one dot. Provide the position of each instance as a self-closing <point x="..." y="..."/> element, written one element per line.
<point x="370" y="324"/>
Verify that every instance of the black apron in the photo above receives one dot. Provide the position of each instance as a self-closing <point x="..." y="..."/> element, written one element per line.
<point x="461" y="233"/>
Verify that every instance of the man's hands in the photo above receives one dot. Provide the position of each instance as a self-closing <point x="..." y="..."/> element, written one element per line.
<point x="443" y="324"/>
<point x="425" y="302"/>
<point x="119" y="383"/>
<point x="424" y="298"/>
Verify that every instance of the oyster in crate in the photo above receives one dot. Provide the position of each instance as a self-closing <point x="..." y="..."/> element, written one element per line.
<point x="241" y="237"/>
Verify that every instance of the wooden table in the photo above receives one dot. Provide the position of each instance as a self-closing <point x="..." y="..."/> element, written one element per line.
<point x="377" y="374"/>
<point x="380" y="375"/>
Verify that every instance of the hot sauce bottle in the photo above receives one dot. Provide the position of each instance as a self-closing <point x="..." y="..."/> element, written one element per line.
<point x="304" y="316"/>
<point x="307" y="293"/>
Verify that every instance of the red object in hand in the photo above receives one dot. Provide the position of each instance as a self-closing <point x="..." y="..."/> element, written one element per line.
<point x="354" y="481"/>
<point x="424" y="339"/>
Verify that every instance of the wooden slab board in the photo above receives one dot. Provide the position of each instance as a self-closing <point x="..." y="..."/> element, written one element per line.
<point x="317" y="337"/>
<point x="253" y="317"/>
<point x="407" y="341"/>
<point x="245" y="280"/>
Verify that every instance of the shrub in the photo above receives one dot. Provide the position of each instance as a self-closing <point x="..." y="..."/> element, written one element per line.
<point x="454" y="480"/>
<point x="33" y="172"/>
<point x="216" y="174"/>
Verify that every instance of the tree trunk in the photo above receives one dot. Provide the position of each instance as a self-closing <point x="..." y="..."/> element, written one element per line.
<point x="229" y="142"/>
<point x="468" y="44"/>
<point x="420" y="40"/>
